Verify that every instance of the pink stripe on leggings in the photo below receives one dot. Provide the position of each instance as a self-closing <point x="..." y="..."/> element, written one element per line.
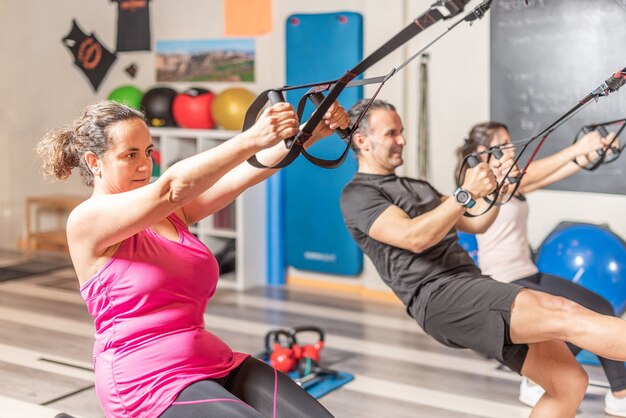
<point x="275" y="390"/>
<point x="209" y="400"/>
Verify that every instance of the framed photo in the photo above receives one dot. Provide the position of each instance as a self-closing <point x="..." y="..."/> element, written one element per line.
<point x="205" y="60"/>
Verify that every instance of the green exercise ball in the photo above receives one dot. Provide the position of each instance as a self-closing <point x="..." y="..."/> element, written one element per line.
<point x="129" y="95"/>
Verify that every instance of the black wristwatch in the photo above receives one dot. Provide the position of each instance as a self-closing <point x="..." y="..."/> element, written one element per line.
<point x="464" y="198"/>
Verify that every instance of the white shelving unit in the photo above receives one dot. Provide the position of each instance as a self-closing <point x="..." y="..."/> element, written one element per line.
<point x="246" y="224"/>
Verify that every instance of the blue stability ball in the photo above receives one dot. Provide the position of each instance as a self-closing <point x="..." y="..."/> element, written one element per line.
<point x="469" y="244"/>
<point x="590" y="255"/>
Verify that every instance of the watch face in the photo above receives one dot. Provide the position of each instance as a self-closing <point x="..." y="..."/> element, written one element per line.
<point x="462" y="197"/>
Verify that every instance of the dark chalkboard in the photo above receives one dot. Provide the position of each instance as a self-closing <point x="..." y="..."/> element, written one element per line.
<point x="545" y="57"/>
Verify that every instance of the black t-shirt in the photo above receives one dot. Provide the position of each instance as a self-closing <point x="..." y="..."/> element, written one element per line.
<point x="89" y="54"/>
<point x="133" y="25"/>
<point x="365" y="197"/>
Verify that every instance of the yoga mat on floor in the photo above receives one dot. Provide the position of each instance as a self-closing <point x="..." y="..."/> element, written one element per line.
<point x="30" y="268"/>
<point x="321" y="386"/>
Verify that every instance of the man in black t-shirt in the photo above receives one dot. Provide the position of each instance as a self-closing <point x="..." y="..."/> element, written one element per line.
<point x="408" y="229"/>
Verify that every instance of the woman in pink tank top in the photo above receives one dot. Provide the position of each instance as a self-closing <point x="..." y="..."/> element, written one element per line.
<point x="504" y="251"/>
<point x="146" y="279"/>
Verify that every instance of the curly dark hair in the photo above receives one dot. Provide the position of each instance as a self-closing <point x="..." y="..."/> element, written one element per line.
<point x="61" y="150"/>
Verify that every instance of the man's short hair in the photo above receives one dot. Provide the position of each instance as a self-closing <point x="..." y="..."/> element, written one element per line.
<point x="355" y="112"/>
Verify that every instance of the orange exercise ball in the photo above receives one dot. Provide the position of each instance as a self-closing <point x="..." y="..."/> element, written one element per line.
<point x="230" y="106"/>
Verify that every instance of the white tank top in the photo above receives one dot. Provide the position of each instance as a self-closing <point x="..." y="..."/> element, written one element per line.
<point x="503" y="251"/>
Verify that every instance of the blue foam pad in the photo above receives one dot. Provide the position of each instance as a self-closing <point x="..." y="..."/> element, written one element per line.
<point x="468" y="243"/>
<point x="327" y="383"/>
<point x="585" y="357"/>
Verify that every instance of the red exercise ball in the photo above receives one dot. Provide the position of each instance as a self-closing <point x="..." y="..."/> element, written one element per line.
<point x="192" y="109"/>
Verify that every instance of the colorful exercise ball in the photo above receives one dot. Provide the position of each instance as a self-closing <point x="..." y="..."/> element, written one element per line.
<point x="156" y="163"/>
<point x="468" y="243"/>
<point x="230" y="107"/>
<point x="129" y="95"/>
<point x="192" y="109"/>
<point x="590" y="255"/>
<point x="157" y="105"/>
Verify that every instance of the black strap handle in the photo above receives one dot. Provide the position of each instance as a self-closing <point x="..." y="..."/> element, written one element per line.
<point x="273" y="96"/>
<point x="306" y="328"/>
<point x="318" y="98"/>
<point x="603" y="152"/>
<point x="274" y="337"/>
<point x="497" y="154"/>
<point x="422" y="22"/>
<point x="472" y="161"/>
<point x="276" y="96"/>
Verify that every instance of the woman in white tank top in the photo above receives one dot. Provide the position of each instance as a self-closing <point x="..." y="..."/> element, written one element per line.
<point x="504" y="252"/>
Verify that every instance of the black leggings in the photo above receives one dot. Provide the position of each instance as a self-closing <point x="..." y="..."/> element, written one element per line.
<point x="614" y="370"/>
<point x="252" y="390"/>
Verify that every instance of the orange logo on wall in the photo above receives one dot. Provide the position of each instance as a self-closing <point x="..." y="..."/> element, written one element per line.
<point x="89" y="54"/>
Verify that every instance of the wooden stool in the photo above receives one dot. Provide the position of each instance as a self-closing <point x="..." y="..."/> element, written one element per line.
<point x="49" y="239"/>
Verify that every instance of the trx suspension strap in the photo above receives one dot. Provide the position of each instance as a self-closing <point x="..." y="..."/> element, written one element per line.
<point x="610" y="85"/>
<point x="610" y="152"/>
<point x="440" y="10"/>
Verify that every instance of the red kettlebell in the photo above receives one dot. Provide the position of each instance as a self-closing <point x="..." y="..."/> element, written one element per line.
<point x="311" y="351"/>
<point x="279" y="345"/>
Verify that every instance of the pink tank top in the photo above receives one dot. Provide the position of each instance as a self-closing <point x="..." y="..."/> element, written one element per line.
<point x="148" y="303"/>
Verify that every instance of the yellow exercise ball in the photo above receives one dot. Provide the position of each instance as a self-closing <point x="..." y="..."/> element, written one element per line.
<point x="230" y="106"/>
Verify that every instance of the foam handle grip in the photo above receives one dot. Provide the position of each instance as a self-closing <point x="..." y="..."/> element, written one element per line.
<point x="497" y="153"/>
<point x="317" y="99"/>
<point x="473" y="161"/>
<point x="275" y="97"/>
<point x="602" y="131"/>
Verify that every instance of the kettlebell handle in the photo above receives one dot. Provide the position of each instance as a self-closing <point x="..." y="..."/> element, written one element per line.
<point x="273" y="337"/>
<point x="306" y="328"/>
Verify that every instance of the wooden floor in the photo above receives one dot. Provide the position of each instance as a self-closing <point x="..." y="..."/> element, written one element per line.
<point x="46" y="340"/>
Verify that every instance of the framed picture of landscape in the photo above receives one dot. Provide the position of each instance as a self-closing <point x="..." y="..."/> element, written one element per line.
<point x="205" y="60"/>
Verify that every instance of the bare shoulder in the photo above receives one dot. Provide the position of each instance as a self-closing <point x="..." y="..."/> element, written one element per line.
<point x="79" y="219"/>
<point x="86" y="259"/>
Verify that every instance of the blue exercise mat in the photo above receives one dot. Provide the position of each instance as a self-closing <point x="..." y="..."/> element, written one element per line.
<point x="320" y="387"/>
<point x="326" y="384"/>
<point x="320" y="47"/>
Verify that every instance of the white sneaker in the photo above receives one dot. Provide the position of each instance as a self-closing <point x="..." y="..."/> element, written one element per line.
<point x="614" y="406"/>
<point x="530" y="393"/>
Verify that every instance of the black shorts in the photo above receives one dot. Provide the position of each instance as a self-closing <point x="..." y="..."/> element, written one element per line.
<point x="475" y="313"/>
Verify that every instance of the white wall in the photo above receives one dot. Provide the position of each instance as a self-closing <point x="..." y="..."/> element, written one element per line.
<point x="41" y="88"/>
